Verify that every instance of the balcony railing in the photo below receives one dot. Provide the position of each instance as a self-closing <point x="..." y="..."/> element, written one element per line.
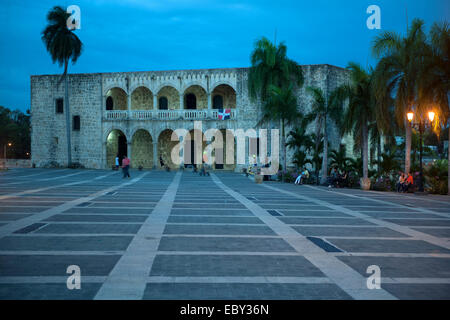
<point x="165" y="115"/>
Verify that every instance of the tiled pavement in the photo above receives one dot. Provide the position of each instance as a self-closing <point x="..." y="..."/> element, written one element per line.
<point x="173" y="235"/>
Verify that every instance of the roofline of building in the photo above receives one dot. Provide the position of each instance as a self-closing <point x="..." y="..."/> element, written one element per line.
<point x="174" y="70"/>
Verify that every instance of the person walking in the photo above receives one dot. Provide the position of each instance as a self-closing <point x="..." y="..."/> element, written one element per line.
<point x="126" y="167"/>
<point x="117" y="163"/>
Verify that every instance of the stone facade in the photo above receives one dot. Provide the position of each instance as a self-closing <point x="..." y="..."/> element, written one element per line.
<point x="120" y="113"/>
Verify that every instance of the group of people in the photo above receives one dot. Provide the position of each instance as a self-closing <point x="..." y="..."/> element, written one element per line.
<point x="302" y="176"/>
<point x="338" y="179"/>
<point x="405" y="182"/>
<point x="125" y="166"/>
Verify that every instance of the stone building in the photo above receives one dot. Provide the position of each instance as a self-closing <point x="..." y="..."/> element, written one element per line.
<point x="134" y="113"/>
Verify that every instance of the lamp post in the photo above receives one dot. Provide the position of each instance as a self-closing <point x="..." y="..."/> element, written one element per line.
<point x="421" y="125"/>
<point x="4" y="152"/>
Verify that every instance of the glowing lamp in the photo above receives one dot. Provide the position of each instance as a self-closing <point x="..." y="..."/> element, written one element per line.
<point x="410" y="116"/>
<point x="431" y="116"/>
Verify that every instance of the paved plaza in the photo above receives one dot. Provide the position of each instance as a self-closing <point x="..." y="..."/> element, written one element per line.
<point x="177" y="235"/>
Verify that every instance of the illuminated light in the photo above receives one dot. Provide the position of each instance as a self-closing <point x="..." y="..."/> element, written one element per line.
<point x="9" y="144"/>
<point x="410" y="116"/>
<point x="431" y="116"/>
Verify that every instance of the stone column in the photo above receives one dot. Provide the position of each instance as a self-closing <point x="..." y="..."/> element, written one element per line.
<point x="129" y="145"/>
<point x="129" y="105"/>
<point x="155" y="153"/>
<point x="155" y="102"/>
<point x="209" y="101"/>
<point x="181" y="101"/>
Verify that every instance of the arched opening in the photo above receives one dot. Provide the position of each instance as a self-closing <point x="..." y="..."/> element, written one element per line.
<point x="116" y="145"/>
<point x="195" y="97"/>
<point x="191" y="101"/>
<point x="142" y="149"/>
<point x="218" y="102"/>
<point x="142" y="99"/>
<point x="163" y="103"/>
<point x="221" y="153"/>
<point x="172" y="96"/>
<point x="165" y="146"/>
<point x="117" y="99"/>
<point x="109" y="103"/>
<point x="193" y="151"/>
<point x="227" y="94"/>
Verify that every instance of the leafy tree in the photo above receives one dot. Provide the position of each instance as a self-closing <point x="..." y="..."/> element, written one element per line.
<point x="397" y="76"/>
<point x="15" y="129"/>
<point x="325" y="108"/>
<point x="339" y="159"/>
<point x="63" y="46"/>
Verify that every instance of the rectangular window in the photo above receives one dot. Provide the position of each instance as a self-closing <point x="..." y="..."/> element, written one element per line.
<point x="76" y="123"/>
<point x="59" y="105"/>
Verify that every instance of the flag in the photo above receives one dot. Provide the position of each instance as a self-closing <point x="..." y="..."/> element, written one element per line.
<point x="224" y="114"/>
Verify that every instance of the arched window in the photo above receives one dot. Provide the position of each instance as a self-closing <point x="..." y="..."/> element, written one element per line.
<point x="109" y="103"/>
<point x="218" y="102"/>
<point x="163" y="103"/>
<point x="191" y="101"/>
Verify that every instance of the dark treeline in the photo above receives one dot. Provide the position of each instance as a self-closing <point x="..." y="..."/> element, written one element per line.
<point x="14" y="130"/>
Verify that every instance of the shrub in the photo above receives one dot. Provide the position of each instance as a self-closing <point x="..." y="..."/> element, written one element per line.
<point x="436" y="175"/>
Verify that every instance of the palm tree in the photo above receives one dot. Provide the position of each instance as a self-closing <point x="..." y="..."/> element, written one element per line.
<point x="339" y="159"/>
<point x="397" y="74"/>
<point x="271" y="66"/>
<point x="360" y="112"/>
<point x="300" y="159"/>
<point x="435" y="76"/>
<point x="299" y="140"/>
<point x="63" y="46"/>
<point x="324" y="108"/>
<point x="281" y="106"/>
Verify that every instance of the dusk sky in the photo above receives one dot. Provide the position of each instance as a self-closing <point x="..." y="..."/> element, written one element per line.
<point x="147" y="35"/>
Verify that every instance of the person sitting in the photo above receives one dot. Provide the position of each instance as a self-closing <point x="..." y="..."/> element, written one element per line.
<point x="409" y="184"/>
<point x="343" y="179"/>
<point x="400" y="182"/>
<point x="333" y="178"/>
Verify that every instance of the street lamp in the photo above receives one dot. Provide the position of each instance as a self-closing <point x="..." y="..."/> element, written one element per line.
<point x="421" y="127"/>
<point x="4" y="153"/>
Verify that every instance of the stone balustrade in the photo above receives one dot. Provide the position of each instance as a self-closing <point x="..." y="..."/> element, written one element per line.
<point x="165" y="115"/>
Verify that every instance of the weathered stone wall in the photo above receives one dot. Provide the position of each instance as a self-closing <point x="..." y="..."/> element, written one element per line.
<point x="141" y="99"/>
<point x="88" y="93"/>
<point x="142" y="150"/>
<point x="49" y="138"/>
<point x="172" y="95"/>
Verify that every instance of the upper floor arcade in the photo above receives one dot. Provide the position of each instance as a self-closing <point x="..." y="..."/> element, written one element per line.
<point x="185" y="95"/>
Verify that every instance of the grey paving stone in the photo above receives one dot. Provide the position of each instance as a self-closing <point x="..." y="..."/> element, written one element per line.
<point x="402" y="267"/>
<point x="419" y="291"/>
<point x="67" y="243"/>
<point x="437" y="232"/>
<point x="223" y="244"/>
<point x="218" y="230"/>
<point x="188" y="219"/>
<point x="233" y="265"/>
<point x="203" y="205"/>
<point x="109" y="211"/>
<point x="421" y="222"/>
<point x="396" y="214"/>
<point x="348" y="231"/>
<point x="56" y="265"/>
<point x="329" y="221"/>
<point x="234" y="212"/>
<point x="47" y="291"/>
<point x="90" y="228"/>
<point x="96" y="218"/>
<point x="12" y="217"/>
<point x="241" y="291"/>
<point x="389" y="246"/>
<point x="301" y="213"/>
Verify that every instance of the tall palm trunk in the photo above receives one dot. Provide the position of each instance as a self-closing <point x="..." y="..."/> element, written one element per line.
<point x="448" y="151"/>
<point x="283" y="145"/>
<point x="378" y="154"/>
<point x="66" y="100"/>
<point x="325" y="152"/>
<point x="408" y="148"/>
<point x="365" y="151"/>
